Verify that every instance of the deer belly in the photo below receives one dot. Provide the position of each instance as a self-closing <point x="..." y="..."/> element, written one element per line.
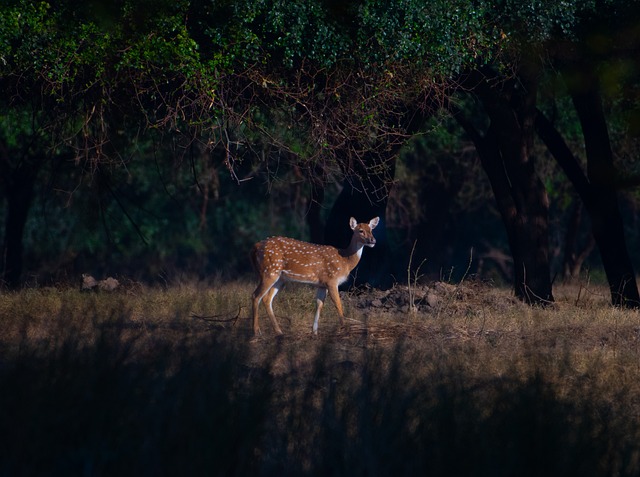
<point x="300" y="275"/>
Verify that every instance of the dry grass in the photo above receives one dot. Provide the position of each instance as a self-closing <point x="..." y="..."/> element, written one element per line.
<point x="476" y="320"/>
<point x="475" y="372"/>
<point x="483" y="325"/>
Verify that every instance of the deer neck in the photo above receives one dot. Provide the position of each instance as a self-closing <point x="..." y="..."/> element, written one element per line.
<point x="353" y="252"/>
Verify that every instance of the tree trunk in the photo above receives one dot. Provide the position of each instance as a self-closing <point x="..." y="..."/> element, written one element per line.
<point x="608" y="228"/>
<point x="19" y="189"/>
<point x="506" y="155"/>
<point x="523" y="206"/>
<point x="573" y="259"/>
<point x="315" y="206"/>
<point x="364" y="197"/>
<point x="597" y="193"/>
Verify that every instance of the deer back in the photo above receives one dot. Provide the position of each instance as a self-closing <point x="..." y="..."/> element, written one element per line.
<point x="300" y="261"/>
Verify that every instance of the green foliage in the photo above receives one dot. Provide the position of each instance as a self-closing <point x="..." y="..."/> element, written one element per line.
<point x="441" y="35"/>
<point x="541" y="20"/>
<point x="278" y="33"/>
<point x="16" y="130"/>
<point x="70" y="53"/>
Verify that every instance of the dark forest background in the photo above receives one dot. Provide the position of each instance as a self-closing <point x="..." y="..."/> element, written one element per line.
<point x="157" y="141"/>
<point x="159" y="220"/>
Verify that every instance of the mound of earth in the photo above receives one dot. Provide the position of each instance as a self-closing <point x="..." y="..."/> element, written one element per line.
<point x="427" y="298"/>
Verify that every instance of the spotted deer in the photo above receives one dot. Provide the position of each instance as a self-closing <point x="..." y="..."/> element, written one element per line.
<point x="280" y="259"/>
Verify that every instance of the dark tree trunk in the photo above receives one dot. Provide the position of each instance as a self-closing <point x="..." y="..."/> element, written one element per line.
<point x="19" y="190"/>
<point x="364" y="197"/>
<point x="523" y="206"/>
<point x="369" y="171"/>
<point x="597" y="193"/>
<point x="506" y="155"/>
<point x="608" y="228"/>
<point x="314" y="221"/>
<point x="573" y="259"/>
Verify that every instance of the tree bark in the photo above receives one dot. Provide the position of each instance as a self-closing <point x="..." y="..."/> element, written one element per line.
<point x="608" y="227"/>
<point x="523" y="206"/>
<point x="573" y="260"/>
<point x="19" y="191"/>
<point x="506" y="155"/>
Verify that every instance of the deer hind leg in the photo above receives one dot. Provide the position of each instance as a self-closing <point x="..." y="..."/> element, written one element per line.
<point x="335" y="297"/>
<point x="321" y="295"/>
<point x="264" y="287"/>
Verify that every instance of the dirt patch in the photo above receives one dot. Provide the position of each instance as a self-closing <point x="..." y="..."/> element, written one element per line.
<point x="429" y="299"/>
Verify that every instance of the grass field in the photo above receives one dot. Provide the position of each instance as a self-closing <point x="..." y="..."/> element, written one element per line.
<point x="168" y="382"/>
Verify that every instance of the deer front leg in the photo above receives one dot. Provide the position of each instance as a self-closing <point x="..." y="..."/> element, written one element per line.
<point x="321" y="295"/>
<point x="335" y="296"/>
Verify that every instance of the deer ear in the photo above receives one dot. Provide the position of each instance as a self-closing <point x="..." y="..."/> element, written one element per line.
<point x="353" y="223"/>
<point x="374" y="222"/>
